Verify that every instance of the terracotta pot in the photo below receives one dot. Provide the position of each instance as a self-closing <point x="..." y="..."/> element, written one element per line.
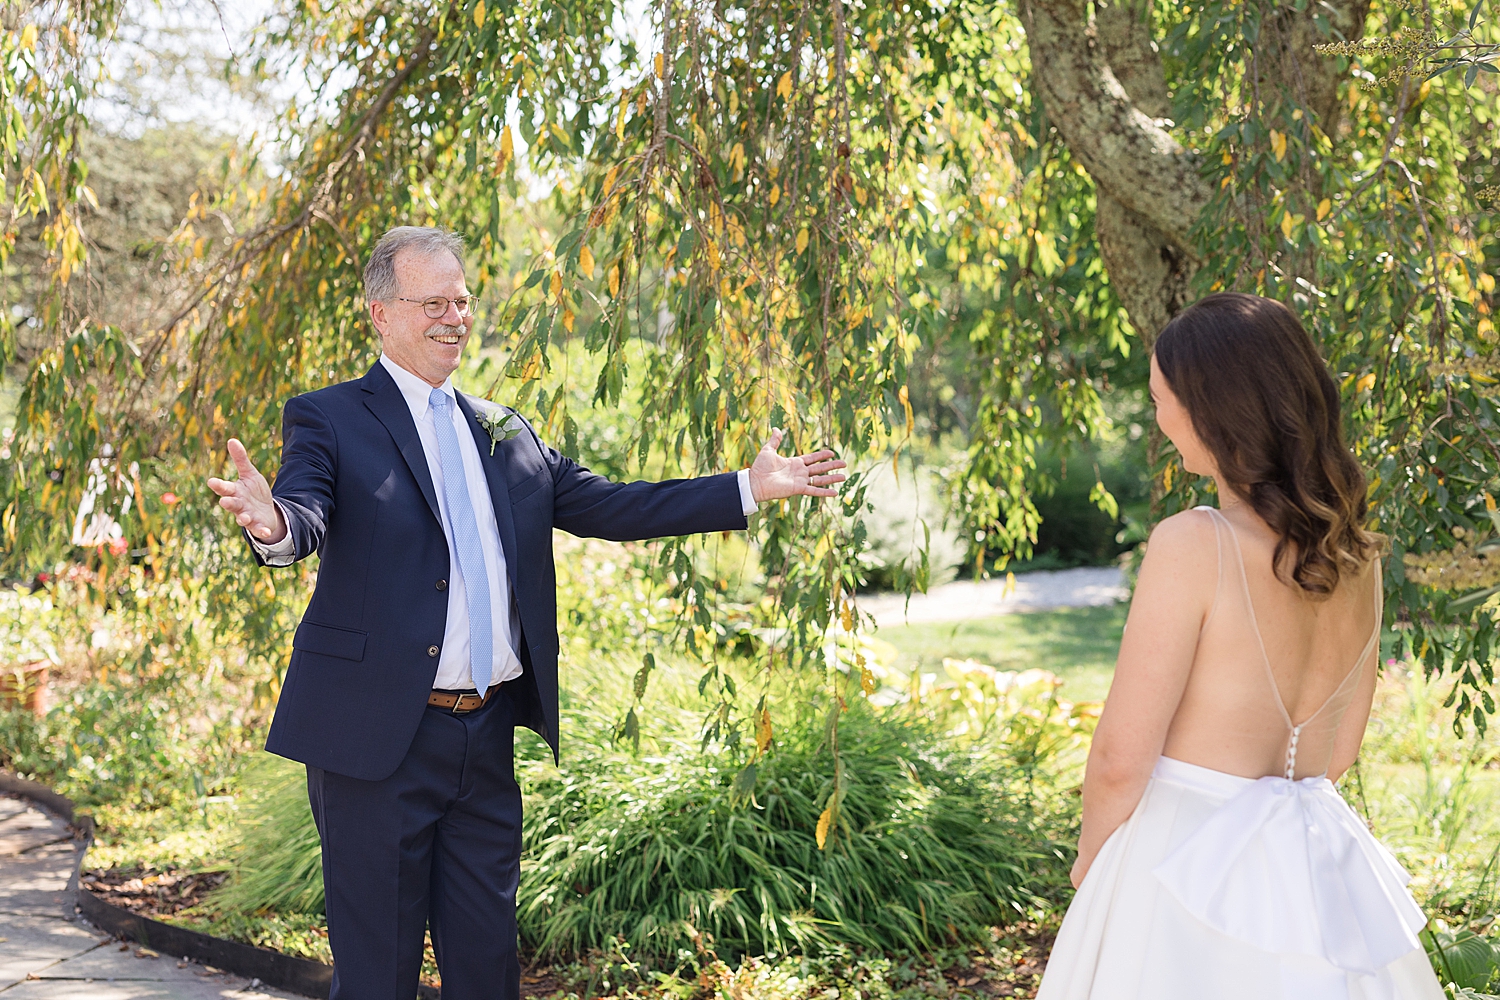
<point x="25" y="684"/>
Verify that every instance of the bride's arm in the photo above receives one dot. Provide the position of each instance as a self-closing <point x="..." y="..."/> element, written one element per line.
<point x="1173" y="596"/>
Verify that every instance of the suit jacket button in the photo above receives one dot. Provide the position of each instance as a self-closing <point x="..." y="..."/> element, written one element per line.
<point x="432" y="651"/>
<point x="442" y="585"/>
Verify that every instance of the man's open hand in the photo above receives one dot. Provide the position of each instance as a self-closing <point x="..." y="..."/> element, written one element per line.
<point x="774" y="477"/>
<point x="249" y="498"/>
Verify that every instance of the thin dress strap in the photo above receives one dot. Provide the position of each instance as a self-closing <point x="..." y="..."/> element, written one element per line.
<point x="1295" y="729"/>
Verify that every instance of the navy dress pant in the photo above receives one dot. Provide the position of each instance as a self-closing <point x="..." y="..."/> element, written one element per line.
<point x="439" y="843"/>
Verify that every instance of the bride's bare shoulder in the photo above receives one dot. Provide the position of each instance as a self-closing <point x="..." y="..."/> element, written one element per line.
<point x="1184" y="543"/>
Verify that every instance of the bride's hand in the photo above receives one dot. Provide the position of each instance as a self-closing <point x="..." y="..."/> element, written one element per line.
<point x="1080" y="870"/>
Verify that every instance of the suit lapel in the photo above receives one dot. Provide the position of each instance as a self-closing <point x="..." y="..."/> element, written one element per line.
<point x="389" y="406"/>
<point x="494" y="474"/>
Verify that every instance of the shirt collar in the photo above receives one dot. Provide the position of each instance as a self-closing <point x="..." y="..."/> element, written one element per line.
<point x="416" y="391"/>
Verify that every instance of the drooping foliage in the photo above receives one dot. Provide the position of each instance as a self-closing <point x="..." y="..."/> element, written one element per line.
<point x="756" y="215"/>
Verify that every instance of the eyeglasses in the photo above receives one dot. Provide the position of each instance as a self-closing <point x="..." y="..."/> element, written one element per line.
<point x="437" y="306"/>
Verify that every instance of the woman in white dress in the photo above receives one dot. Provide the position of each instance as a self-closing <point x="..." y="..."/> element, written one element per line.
<point x="1216" y="859"/>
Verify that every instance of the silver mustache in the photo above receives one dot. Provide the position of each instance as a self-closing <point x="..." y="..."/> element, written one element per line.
<point x="443" y="330"/>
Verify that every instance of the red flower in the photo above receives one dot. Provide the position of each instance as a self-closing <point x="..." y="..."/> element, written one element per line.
<point x="117" y="546"/>
<point x="169" y="498"/>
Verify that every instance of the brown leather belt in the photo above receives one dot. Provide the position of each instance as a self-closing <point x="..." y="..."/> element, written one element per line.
<point x="459" y="704"/>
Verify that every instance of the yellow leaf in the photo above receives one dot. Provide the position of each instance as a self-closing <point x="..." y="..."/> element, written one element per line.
<point x="507" y="144"/>
<point x="586" y="262"/>
<point x="1166" y="477"/>
<point x="1489" y="502"/>
<point x="28" y="38"/>
<point x="763" y="731"/>
<point x="824" y="822"/>
<point x="1278" y="145"/>
<point x="1486" y="283"/>
<point x="609" y="179"/>
<point x="1227" y="158"/>
<point x="713" y="256"/>
<point x="784" y="86"/>
<point x="859" y="195"/>
<point x="614" y="281"/>
<point x="556" y="285"/>
<point x="1324" y="207"/>
<point x="660" y="67"/>
<point x="323" y="288"/>
<point x="1286" y="224"/>
<point x="905" y="398"/>
<point x="867" y="682"/>
<point x="479" y="14"/>
<point x="801" y="240"/>
<point x="775" y="194"/>
<point x="1226" y="182"/>
<point x="1365" y="382"/>
<point x="624" y="109"/>
<point x="568" y="320"/>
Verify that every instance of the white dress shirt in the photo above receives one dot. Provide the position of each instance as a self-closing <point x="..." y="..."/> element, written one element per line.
<point x="453" y="663"/>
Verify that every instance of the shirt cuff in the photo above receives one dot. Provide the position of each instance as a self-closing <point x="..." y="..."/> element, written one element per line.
<point x="747" y="498"/>
<point x="280" y="553"/>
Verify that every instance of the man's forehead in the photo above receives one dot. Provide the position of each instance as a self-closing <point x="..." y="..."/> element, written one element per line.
<point x="427" y="266"/>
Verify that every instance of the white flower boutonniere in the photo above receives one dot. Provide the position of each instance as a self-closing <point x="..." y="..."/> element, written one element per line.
<point x="499" y="424"/>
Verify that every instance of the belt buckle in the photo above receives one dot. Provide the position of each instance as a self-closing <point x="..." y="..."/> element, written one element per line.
<point x="457" y="705"/>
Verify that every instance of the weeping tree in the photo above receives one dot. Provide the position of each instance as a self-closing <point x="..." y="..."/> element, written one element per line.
<point x="1268" y="147"/>
<point x="758" y="217"/>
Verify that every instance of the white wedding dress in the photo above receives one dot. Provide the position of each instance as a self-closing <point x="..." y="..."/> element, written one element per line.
<point x="1232" y="888"/>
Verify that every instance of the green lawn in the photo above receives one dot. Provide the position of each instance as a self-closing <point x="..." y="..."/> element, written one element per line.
<point x="1077" y="644"/>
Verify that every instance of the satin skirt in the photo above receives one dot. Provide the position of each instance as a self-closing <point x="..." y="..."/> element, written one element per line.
<point x="1240" y="889"/>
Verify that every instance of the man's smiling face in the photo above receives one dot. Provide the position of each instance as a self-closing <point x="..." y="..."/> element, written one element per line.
<point x="428" y="348"/>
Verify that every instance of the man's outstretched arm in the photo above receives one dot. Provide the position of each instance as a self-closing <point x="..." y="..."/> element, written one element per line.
<point x="591" y="505"/>
<point x="291" y="524"/>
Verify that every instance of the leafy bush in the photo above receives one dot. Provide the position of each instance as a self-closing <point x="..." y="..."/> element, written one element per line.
<point x="934" y="846"/>
<point x="936" y="843"/>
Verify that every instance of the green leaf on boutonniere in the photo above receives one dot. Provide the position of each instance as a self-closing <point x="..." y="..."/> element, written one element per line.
<point x="499" y="425"/>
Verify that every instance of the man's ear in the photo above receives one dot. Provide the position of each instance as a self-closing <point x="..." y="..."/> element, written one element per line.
<point x="377" y="315"/>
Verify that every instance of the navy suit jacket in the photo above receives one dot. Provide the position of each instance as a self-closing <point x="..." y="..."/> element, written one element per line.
<point x="355" y="487"/>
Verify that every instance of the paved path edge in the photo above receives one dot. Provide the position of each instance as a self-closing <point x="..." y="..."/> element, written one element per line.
<point x="273" y="968"/>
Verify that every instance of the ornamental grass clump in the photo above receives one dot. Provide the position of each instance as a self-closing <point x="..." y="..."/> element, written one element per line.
<point x="935" y="845"/>
<point x="937" y="841"/>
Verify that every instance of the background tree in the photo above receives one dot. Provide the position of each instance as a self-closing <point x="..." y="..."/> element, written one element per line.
<point x="762" y="217"/>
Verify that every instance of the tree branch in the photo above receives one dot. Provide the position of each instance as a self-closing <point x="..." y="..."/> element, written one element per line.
<point x="1130" y="155"/>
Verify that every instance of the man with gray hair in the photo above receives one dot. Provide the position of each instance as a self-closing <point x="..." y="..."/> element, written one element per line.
<point x="432" y="630"/>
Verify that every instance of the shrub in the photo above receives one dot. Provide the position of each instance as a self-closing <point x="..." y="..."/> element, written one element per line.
<point x="936" y="843"/>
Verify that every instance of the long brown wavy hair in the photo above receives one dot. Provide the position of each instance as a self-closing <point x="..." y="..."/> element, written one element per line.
<point x="1261" y="399"/>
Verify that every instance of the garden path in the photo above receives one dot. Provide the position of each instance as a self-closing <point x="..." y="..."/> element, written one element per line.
<point x="963" y="600"/>
<point x="49" y="953"/>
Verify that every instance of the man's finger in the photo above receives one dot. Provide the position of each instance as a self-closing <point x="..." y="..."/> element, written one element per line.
<point x="223" y="487"/>
<point x="241" y="459"/>
<point x="775" y="440"/>
<point x="815" y="457"/>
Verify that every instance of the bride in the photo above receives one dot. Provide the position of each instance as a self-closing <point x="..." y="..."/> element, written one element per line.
<point x="1217" y="859"/>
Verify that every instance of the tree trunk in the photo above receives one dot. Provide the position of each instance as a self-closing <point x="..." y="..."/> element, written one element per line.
<point x="1100" y="78"/>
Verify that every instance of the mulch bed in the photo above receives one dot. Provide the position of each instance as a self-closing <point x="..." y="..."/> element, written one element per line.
<point x="149" y="892"/>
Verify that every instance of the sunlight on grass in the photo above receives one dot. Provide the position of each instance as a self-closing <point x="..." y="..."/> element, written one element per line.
<point x="1077" y="644"/>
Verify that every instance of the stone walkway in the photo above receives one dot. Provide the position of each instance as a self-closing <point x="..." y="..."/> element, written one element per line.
<point x="48" y="953"/>
<point x="964" y="599"/>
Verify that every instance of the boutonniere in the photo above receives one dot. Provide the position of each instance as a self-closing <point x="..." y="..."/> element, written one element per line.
<point x="499" y="424"/>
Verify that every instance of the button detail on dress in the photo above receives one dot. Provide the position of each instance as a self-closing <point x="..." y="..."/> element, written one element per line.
<point x="432" y="651"/>
<point x="442" y="585"/>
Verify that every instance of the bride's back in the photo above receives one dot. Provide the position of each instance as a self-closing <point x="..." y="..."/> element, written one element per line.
<point x="1275" y="668"/>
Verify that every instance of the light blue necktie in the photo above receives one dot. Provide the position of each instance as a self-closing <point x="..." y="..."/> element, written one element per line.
<point x="465" y="541"/>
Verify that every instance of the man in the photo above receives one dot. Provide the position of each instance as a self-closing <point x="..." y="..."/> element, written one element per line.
<point x="432" y="630"/>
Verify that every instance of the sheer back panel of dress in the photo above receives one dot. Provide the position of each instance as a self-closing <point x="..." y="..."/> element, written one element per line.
<point x="1275" y="670"/>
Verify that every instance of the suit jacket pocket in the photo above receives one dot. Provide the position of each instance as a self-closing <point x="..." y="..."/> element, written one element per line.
<point x="344" y="643"/>
<point x="528" y="486"/>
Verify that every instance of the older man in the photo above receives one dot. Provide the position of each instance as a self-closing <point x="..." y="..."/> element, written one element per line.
<point x="432" y="631"/>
